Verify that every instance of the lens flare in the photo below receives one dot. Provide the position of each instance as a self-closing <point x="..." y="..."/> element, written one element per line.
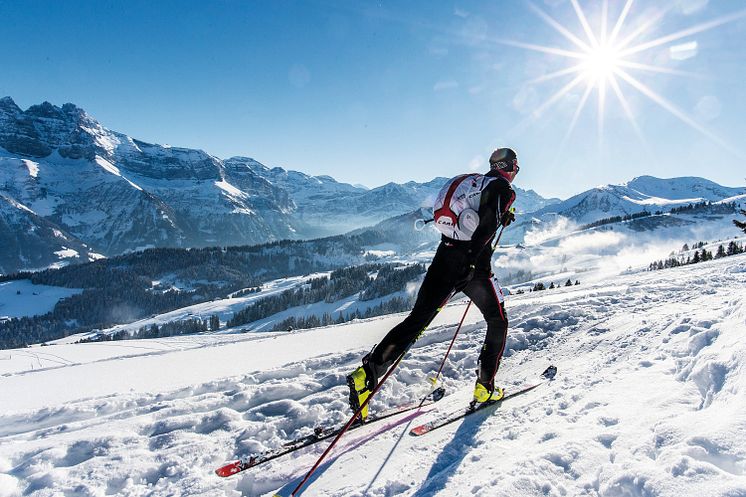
<point x="604" y="60"/>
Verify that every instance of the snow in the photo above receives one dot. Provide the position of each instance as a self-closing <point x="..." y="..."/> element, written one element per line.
<point x="224" y="308"/>
<point x="230" y="189"/>
<point x="345" y="306"/>
<point x="649" y="400"/>
<point x="33" y="167"/>
<point x="18" y="205"/>
<point x="107" y="166"/>
<point x="657" y="201"/>
<point x="637" y="195"/>
<point x="111" y="168"/>
<point x="558" y="252"/>
<point x="32" y="300"/>
<point x="66" y="253"/>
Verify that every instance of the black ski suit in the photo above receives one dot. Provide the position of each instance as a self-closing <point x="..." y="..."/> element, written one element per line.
<point x="458" y="266"/>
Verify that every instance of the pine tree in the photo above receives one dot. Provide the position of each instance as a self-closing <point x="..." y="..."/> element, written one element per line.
<point x="732" y="248"/>
<point x="741" y="224"/>
<point x="720" y="253"/>
<point x="568" y="282"/>
<point x="696" y="258"/>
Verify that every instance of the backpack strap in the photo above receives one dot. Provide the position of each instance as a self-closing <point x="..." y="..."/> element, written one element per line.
<point x="445" y="209"/>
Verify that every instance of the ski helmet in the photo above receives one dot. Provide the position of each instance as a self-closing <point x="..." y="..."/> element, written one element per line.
<point x="505" y="161"/>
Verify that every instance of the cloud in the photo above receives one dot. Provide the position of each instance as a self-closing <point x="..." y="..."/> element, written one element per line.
<point x="460" y="12"/>
<point x="526" y="100"/>
<point x="683" y="51"/>
<point x="445" y="85"/>
<point x="477" y="162"/>
<point x="689" y="7"/>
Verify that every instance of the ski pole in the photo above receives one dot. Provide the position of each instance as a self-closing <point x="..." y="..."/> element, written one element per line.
<point x="346" y="426"/>
<point x="434" y="379"/>
<point x="359" y="410"/>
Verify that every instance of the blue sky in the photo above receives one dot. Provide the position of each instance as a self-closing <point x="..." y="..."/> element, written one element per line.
<point x="372" y="92"/>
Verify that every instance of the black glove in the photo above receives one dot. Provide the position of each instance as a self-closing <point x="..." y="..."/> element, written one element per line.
<point x="507" y="218"/>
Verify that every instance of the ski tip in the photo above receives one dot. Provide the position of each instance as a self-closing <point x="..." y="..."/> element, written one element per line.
<point x="550" y="372"/>
<point x="418" y="430"/>
<point x="228" y="470"/>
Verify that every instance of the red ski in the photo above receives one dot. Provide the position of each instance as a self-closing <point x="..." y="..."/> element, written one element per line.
<point x="318" y="435"/>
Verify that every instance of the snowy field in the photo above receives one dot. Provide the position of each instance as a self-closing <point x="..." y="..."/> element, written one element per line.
<point x="649" y="401"/>
<point x="22" y="298"/>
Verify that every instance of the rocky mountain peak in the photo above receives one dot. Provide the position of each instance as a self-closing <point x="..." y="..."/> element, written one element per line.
<point x="44" y="128"/>
<point x="7" y="105"/>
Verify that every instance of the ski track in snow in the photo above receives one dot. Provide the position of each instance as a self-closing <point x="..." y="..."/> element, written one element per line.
<point x="649" y="401"/>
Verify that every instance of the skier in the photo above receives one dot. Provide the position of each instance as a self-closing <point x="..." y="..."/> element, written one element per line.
<point x="467" y="211"/>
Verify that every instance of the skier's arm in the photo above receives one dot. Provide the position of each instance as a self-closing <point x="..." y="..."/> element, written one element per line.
<point x="496" y="199"/>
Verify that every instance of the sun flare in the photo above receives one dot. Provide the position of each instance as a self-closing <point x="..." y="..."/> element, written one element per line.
<point x="600" y="63"/>
<point x="604" y="60"/>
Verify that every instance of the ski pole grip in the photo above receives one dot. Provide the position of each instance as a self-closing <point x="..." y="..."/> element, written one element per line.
<point x="419" y="224"/>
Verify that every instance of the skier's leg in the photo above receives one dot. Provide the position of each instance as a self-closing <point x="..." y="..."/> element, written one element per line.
<point x="487" y="296"/>
<point x="443" y="276"/>
<point x="446" y="272"/>
<point x="431" y="297"/>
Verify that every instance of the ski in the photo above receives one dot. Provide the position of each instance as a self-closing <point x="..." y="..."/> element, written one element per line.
<point x="319" y="434"/>
<point x="449" y="418"/>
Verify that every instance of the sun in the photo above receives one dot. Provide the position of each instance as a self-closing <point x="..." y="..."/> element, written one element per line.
<point x="604" y="60"/>
<point x="601" y="62"/>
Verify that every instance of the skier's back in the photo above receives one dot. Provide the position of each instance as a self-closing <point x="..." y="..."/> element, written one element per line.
<point x="468" y="211"/>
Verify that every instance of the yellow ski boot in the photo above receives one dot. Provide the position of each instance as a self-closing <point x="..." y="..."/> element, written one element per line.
<point x="483" y="394"/>
<point x="358" y="382"/>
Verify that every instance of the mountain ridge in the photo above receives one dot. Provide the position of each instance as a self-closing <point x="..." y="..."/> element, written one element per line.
<point x="115" y="194"/>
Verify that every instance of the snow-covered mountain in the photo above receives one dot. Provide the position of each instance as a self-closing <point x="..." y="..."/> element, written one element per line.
<point x="118" y="194"/>
<point x="108" y="193"/>
<point x="35" y="241"/>
<point x="642" y="193"/>
<point x="115" y="193"/>
<point x="326" y="206"/>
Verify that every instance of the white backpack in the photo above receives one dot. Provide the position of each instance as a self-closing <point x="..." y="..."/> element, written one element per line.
<point x="457" y="205"/>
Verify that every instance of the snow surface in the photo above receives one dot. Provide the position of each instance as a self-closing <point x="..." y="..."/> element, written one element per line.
<point x="32" y="300"/>
<point x="33" y="167"/>
<point x="649" y="401"/>
<point x="224" y="308"/>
